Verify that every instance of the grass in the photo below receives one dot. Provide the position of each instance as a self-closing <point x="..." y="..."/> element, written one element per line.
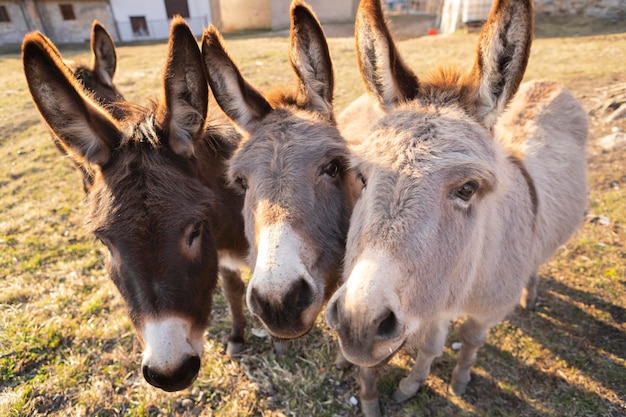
<point x="67" y="346"/>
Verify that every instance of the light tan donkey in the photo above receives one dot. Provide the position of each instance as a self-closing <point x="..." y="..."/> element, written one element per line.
<point x="458" y="209"/>
<point x="292" y="167"/>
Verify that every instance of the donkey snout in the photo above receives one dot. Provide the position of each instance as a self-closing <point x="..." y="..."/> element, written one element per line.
<point x="369" y="334"/>
<point x="285" y="313"/>
<point x="177" y="380"/>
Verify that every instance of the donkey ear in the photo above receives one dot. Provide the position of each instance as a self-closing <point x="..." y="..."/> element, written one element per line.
<point x="104" y="59"/>
<point x="310" y="59"/>
<point x="385" y="74"/>
<point x="237" y="98"/>
<point x="184" y="110"/>
<point x="501" y="57"/>
<point x="83" y="128"/>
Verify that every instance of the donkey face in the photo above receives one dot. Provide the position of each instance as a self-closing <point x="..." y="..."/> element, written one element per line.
<point x="150" y="202"/>
<point x="432" y="180"/>
<point x="291" y="167"/>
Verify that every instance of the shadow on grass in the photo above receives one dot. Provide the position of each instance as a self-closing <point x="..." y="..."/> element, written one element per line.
<point x="576" y="327"/>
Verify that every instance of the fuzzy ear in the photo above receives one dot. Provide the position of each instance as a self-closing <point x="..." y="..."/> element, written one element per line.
<point x="183" y="112"/>
<point x="501" y="57"/>
<point x="82" y="127"/>
<point x="385" y="74"/>
<point x="104" y="59"/>
<point x="237" y="98"/>
<point x="310" y="59"/>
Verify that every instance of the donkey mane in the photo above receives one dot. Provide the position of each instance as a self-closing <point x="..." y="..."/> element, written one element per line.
<point x="290" y="97"/>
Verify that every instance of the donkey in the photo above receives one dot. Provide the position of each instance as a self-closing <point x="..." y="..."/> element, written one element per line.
<point x="158" y="200"/>
<point x="456" y="210"/>
<point x="291" y="167"/>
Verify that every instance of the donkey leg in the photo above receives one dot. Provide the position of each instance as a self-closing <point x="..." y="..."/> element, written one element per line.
<point x="340" y="361"/>
<point x="368" y="393"/>
<point x="473" y="336"/>
<point x="431" y="346"/>
<point x="234" y="290"/>
<point x="529" y="296"/>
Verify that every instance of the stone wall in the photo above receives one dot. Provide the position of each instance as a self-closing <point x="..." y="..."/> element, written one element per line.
<point x="601" y="9"/>
<point x="14" y="30"/>
<point x="79" y="29"/>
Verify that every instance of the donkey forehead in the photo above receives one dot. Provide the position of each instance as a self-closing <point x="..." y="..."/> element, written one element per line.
<point x="285" y="141"/>
<point x="426" y="140"/>
<point x="146" y="192"/>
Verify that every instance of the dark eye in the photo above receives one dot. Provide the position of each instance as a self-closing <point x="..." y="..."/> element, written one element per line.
<point x="243" y="183"/>
<point x="466" y="191"/>
<point x="195" y="233"/>
<point x="331" y="169"/>
<point x="361" y="177"/>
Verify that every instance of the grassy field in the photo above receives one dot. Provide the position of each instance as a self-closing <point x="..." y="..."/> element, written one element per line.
<point x="67" y="346"/>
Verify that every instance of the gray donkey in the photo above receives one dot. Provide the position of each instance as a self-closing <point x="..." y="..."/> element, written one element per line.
<point x="458" y="208"/>
<point x="291" y="167"/>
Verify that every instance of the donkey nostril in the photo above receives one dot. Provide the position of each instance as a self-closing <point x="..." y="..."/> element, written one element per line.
<point x="388" y="326"/>
<point x="254" y="304"/>
<point x="303" y="294"/>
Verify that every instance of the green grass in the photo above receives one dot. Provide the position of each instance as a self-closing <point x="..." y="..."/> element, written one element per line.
<point x="67" y="346"/>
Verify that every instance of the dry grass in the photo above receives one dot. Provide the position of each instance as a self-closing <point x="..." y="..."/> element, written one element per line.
<point x="67" y="346"/>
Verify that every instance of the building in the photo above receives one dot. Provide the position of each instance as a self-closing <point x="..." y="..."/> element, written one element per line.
<point x="150" y="19"/>
<point x="62" y="21"/>
<point x="66" y="21"/>
<point x="234" y="15"/>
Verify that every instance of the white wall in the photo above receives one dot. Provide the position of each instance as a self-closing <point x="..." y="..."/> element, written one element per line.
<point x="156" y="17"/>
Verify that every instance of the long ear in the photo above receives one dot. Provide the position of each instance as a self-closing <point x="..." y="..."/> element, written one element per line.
<point x="502" y="56"/>
<point x="239" y="100"/>
<point x="310" y="59"/>
<point x="385" y="74"/>
<point x="104" y="59"/>
<point x="183" y="112"/>
<point x="85" y="129"/>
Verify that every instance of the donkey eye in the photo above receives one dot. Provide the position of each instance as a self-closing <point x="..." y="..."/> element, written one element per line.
<point x="331" y="169"/>
<point x="466" y="191"/>
<point x="361" y="177"/>
<point x="195" y="233"/>
<point x="243" y="183"/>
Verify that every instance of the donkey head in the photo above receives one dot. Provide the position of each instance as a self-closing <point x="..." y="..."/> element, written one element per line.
<point x="291" y="167"/>
<point x="431" y="174"/>
<point x="150" y="201"/>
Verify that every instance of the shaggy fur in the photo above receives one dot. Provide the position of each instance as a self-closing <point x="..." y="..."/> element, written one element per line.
<point x="156" y="198"/>
<point x="458" y="208"/>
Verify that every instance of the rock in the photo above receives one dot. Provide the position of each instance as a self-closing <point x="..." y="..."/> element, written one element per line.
<point x="612" y="141"/>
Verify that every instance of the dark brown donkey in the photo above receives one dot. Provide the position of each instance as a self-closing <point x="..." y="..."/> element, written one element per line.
<point x="157" y="201"/>
<point x="291" y="166"/>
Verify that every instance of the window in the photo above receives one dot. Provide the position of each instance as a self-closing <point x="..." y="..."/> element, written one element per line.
<point x="67" y="11"/>
<point x="4" y="14"/>
<point x="174" y="7"/>
<point x="139" y="25"/>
